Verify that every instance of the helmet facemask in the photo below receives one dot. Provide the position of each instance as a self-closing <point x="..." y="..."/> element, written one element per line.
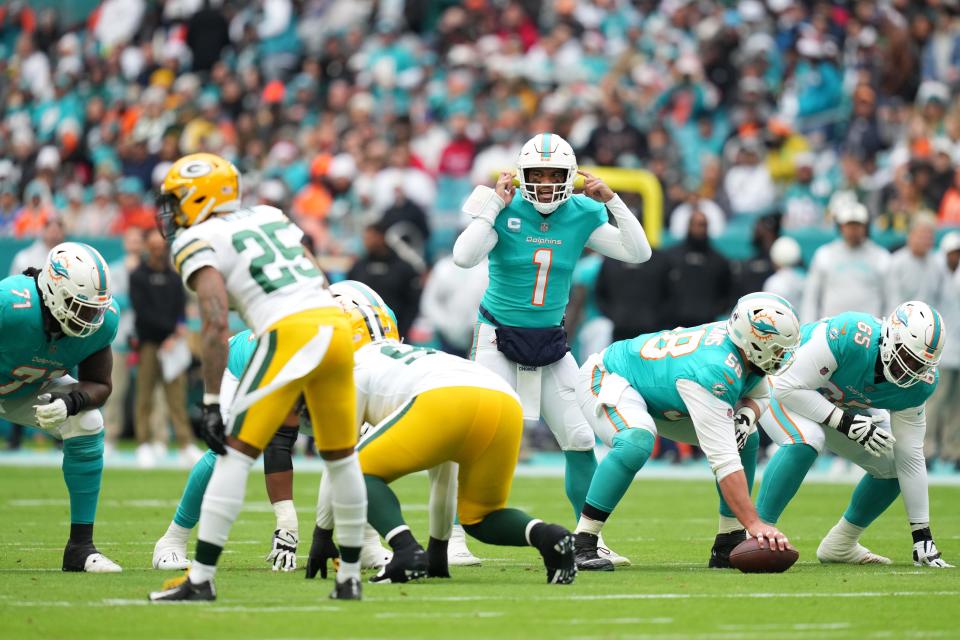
<point x="546" y="187"/>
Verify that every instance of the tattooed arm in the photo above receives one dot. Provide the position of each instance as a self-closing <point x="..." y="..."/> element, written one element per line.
<point x="212" y="294"/>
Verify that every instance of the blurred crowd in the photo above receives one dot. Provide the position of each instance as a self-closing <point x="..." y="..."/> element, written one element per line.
<point x="369" y="121"/>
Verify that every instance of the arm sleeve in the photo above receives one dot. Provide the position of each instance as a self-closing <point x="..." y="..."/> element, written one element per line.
<point x="713" y="422"/>
<point x="627" y="241"/>
<point x="810" y="309"/>
<point x="473" y="245"/>
<point x="760" y="393"/>
<point x="909" y="428"/>
<point x="813" y="366"/>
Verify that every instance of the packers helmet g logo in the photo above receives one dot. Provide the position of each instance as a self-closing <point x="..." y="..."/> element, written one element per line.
<point x="195" y="169"/>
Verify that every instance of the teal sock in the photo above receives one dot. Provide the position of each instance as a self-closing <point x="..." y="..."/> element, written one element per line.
<point x="383" y="508"/>
<point x="188" y="509"/>
<point x="871" y="498"/>
<point x="581" y="465"/>
<point x="782" y="479"/>
<point x="505" y="527"/>
<point x="748" y="458"/>
<point x="82" y="472"/>
<point x="631" y="449"/>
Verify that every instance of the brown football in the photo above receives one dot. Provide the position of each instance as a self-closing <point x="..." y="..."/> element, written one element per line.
<point x="750" y="558"/>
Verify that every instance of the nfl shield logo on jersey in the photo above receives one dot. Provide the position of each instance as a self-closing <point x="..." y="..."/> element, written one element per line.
<point x="544" y="227"/>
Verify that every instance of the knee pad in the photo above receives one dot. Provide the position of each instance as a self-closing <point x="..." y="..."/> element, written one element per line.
<point x="278" y="456"/>
<point x="579" y="438"/>
<point x="632" y="447"/>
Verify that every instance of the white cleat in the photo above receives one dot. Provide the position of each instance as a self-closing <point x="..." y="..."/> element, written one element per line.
<point x="373" y="555"/>
<point x="169" y="555"/>
<point x="609" y="554"/>
<point x="458" y="555"/>
<point x="99" y="563"/>
<point x="833" y="552"/>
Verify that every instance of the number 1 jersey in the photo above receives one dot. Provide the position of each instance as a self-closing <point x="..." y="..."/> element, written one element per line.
<point x="258" y="252"/>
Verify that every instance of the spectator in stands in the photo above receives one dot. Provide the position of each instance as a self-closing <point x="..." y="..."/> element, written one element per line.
<point x="916" y="272"/>
<point x="159" y="306"/>
<point x="949" y="215"/>
<point x="748" y="185"/>
<point x="133" y="210"/>
<point x="390" y="276"/>
<point x="803" y="202"/>
<point x="787" y="281"/>
<point x="698" y="277"/>
<point x="35" y="254"/>
<point x="848" y="274"/>
<point x="750" y="274"/>
<point x="621" y="284"/>
<point x="36" y="211"/>
<point x="943" y="428"/>
<point x="9" y="206"/>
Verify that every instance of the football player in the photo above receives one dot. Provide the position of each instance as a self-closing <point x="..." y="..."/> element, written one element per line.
<point x="858" y="388"/>
<point x="170" y="552"/>
<point x="430" y="410"/>
<point x="703" y="385"/>
<point x="534" y="236"/>
<point x="253" y="258"/>
<point x="53" y="319"/>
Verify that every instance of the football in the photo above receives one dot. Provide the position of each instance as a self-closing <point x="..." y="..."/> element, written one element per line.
<point x="749" y="557"/>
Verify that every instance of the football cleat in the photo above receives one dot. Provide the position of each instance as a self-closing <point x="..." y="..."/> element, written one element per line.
<point x="85" y="557"/>
<point x="606" y="552"/>
<point x="723" y="544"/>
<point x="373" y="555"/>
<point x="458" y="555"/>
<point x="180" y="589"/>
<point x="586" y="553"/>
<point x="349" y="589"/>
<point x="834" y="551"/>
<point x="407" y="564"/>
<point x="557" y="549"/>
<point x="170" y="555"/>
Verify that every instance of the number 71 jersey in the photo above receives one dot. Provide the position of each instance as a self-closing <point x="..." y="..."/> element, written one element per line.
<point x="258" y="252"/>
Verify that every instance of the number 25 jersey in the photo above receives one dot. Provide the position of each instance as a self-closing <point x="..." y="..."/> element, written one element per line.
<point x="258" y="252"/>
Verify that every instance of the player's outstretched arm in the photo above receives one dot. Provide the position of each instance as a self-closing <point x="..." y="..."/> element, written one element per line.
<point x="627" y="241"/>
<point x="212" y="294"/>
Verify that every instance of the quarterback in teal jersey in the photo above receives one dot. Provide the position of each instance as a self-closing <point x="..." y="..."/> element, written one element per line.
<point x="704" y="385"/>
<point x="53" y="320"/>
<point x="534" y="236"/>
<point x="858" y="387"/>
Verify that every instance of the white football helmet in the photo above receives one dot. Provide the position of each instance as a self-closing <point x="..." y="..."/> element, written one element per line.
<point x="911" y="343"/>
<point x="75" y="286"/>
<point x="550" y="151"/>
<point x="356" y="292"/>
<point x="766" y="328"/>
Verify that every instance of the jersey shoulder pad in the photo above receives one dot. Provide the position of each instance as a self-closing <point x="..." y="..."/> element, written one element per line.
<point x="592" y="213"/>
<point x="841" y="330"/>
<point x="105" y="335"/>
<point x="193" y="248"/>
<point x="265" y="210"/>
<point x="17" y="293"/>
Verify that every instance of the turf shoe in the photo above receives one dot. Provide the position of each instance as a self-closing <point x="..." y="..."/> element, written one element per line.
<point x="409" y="563"/>
<point x="587" y="555"/>
<point x="373" y="555"/>
<point x="170" y="555"/>
<point x="182" y="590"/>
<point x="606" y="552"/>
<point x="840" y="550"/>
<point x="556" y="546"/>
<point x="723" y="544"/>
<point x="458" y="555"/>
<point x="85" y="557"/>
<point x="349" y="589"/>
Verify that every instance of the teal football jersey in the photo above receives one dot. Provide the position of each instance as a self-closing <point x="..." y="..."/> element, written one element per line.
<point x="28" y="358"/>
<point x="242" y="346"/>
<point x="531" y="267"/>
<point x="653" y="362"/>
<point x="854" y="340"/>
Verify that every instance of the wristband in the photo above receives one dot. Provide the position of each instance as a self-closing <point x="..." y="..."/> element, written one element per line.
<point x="211" y="398"/>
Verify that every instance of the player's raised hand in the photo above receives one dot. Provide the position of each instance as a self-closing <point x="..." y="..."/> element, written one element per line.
<point x="595" y="188"/>
<point x="767" y="534"/>
<point x="505" y="187"/>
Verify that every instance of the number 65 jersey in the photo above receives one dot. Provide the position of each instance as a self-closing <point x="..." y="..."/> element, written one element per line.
<point x="389" y="375"/>
<point x="265" y="268"/>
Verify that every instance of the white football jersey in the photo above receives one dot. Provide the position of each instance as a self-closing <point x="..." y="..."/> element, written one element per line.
<point x="389" y="374"/>
<point x="258" y="252"/>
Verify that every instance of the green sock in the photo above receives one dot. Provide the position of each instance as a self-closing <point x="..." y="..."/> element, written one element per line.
<point x="82" y="472"/>
<point x="504" y="527"/>
<point x="581" y="466"/>
<point x="782" y="479"/>
<point x="631" y="450"/>
<point x="383" y="508"/>
<point x="188" y="509"/>
<point x="871" y="498"/>
<point x="748" y="458"/>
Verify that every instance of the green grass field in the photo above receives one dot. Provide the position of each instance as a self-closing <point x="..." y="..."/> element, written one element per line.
<point x="665" y="527"/>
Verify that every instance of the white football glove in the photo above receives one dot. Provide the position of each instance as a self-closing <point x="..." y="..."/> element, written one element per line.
<point x="864" y="430"/>
<point x="284" y="553"/>
<point x="743" y="425"/>
<point x="926" y="554"/>
<point x="50" y="415"/>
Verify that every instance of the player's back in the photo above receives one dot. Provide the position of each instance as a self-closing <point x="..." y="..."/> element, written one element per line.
<point x="266" y="270"/>
<point x="653" y="362"/>
<point x="389" y="374"/>
<point x="28" y="358"/>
